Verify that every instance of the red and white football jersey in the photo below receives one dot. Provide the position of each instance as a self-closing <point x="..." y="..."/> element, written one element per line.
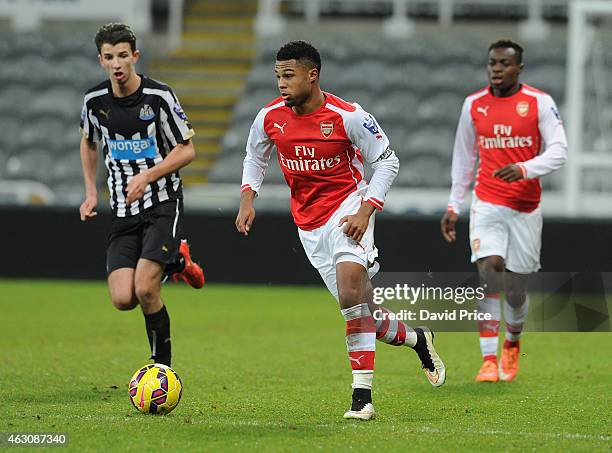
<point x="524" y="128"/>
<point x="321" y="155"/>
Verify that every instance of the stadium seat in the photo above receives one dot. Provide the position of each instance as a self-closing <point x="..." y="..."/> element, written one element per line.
<point x="366" y="76"/>
<point x="442" y="108"/>
<point x="66" y="169"/>
<point x="262" y="77"/>
<point x="395" y="108"/>
<point x="45" y="132"/>
<point x="228" y="169"/>
<point x="433" y="141"/>
<point x="29" y="164"/>
<point x="59" y="101"/>
<point x="10" y="127"/>
<point x="236" y="137"/>
<point x="425" y="171"/>
<point x="15" y="99"/>
<point x="549" y="78"/>
<point x="249" y="105"/>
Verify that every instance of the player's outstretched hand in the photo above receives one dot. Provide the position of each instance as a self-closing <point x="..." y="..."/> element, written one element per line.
<point x="509" y="173"/>
<point x="355" y="226"/>
<point x="136" y="188"/>
<point x="88" y="208"/>
<point x="245" y="218"/>
<point x="447" y="225"/>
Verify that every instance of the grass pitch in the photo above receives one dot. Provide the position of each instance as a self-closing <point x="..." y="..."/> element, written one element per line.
<point x="265" y="368"/>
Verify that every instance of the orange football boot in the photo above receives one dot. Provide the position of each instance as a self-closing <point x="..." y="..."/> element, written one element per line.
<point x="488" y="372"/>
<point x="192" y="273"/>
<point x="508" y="366"/>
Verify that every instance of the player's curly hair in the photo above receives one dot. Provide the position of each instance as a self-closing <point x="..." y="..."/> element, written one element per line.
<point x="113" y="33"/>
<point x="302" y="51"/>
<point x="508" y="43"/>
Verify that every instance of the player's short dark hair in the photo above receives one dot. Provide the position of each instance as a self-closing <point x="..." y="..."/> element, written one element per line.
<point x="302" y="51"/>
<point x="508" y="43"/>
<point x="114" y="33"/>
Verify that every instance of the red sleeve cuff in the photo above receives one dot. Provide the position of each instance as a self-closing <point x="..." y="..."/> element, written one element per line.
<point x="245" y="187"/>
<point x="376" y="203"/>
<point x="523" y="170"/>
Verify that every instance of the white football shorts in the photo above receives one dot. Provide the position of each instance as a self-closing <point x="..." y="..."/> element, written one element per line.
<point x="327" y="245"/>
<point x="499" y="230"/>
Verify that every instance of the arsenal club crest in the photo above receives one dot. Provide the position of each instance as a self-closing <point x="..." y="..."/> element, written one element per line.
<point x="327" y="128"/>
<point x="522" y="108"/>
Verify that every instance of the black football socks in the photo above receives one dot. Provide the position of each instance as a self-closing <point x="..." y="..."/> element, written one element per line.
<point x="174" y="267"/>
<point x="158" y="331"/>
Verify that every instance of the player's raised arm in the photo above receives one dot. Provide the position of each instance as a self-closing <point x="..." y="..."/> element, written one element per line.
<point x="258" y="150"/>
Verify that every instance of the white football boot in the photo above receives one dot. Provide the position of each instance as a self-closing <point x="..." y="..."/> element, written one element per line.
<point x="430" y="360"/>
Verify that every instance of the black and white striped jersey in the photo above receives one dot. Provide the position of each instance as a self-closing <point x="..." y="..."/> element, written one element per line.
<point x="136" y="132"/>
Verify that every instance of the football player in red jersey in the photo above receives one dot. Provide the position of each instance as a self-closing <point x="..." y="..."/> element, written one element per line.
<point x="516" y="132"/>
<point x="322" y="143"/>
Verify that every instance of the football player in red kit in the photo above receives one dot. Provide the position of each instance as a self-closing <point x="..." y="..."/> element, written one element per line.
<point x="322" y="143"/>
<point x="516" y="132"/>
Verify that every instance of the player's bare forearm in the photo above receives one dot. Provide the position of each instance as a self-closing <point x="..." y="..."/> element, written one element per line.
<point x="246" y="213"/>
<point x="447" y="226"/>
<point x="366" y="209"/>
<point x="247" y="197"/>
<point x="89" y="163"/>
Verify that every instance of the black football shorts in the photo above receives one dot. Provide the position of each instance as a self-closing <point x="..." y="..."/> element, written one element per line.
<point x="154" y="234"/>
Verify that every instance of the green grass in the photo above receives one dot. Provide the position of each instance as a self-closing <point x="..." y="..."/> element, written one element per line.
<point x="265" y="368"/>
